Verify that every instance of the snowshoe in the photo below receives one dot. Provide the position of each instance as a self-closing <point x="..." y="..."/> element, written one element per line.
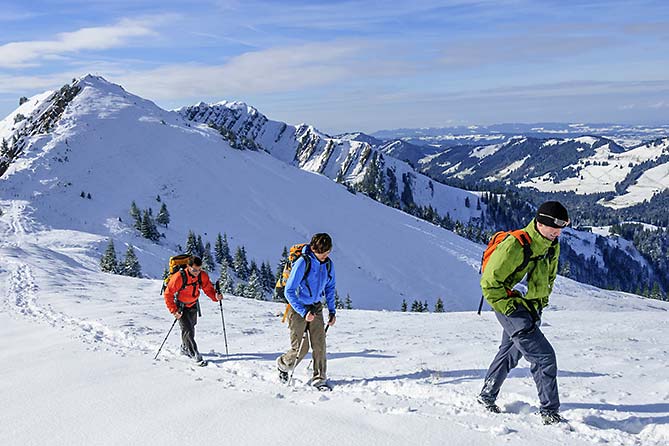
<point x="283" y="376"/>
<point x="200" y="361"/>
<point x="488" y="404"/>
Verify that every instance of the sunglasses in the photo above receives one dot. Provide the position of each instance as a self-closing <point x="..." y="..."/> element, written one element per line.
<point x="557" y="221"/>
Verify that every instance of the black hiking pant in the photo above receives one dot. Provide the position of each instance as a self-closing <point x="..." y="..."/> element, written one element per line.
<point x="187" y="323"/>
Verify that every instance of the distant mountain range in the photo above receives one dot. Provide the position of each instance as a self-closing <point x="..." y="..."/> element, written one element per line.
<point x="625" y="176"/>
<point x="443" y="137"/>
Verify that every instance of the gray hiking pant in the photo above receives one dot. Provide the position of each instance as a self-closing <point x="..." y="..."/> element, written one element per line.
<point x="315" y="335"/>
<point x="522" y="337"/>
<point x="187" y="323"/>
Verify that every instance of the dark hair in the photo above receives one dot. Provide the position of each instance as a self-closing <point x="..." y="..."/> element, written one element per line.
<point x="194" y="261"/>
<point x="321" y="243"/>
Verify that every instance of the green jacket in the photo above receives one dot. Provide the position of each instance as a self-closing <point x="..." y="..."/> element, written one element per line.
<point x="498" y="276"/>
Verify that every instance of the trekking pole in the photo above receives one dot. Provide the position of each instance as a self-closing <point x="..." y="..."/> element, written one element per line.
<point x="304" y="336"/>
<point x="168" y="334"/>
<point x="225" y="336"/>
<point x="220" y="304"/>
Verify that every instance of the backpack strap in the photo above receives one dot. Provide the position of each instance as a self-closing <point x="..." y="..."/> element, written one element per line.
<point x="184" y="281"/>
<point x="328" y="267"/>
<point x="525" y="241"/>
<point x="307" y="269"/>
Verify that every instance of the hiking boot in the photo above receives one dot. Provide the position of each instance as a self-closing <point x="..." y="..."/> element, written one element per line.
<point x="283" y="376"/>
<point x="488" y="404"/>
<point x="199" y="360"/>
<point x="321" y="384"/>
<point x="184" y="351"/>
<point x="550" y="416"/>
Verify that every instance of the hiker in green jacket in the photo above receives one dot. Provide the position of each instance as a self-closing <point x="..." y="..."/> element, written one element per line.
<point x="520" y="314"/>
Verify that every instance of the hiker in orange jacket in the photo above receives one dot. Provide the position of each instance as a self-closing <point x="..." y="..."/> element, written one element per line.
<point x="181" y="297"/>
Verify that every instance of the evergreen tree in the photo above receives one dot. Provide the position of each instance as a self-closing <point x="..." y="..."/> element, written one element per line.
<point x="254" y="288"/>
<point x="207" y="260"/>
<point x="108" y="262"/>
<point x="226" y="249"/>
<point x="148" y="228"/>
<point x="426" y="308"/>
<point x="439" y="306"/>
<point x="266" y="276"/>
<point x="225" y="281"/>
<point x="656" y="292"/>
<point x="240" y="264"/>
<point x="136" y="216"/>
<point x="240" y="289"/>
<point x="404" y="305"/>
<point x="348" y="303"/>
<point x="200" y="247"/>
<point x="253" y="268"/>
<point x="218" y="249"/>
<point x="282" y="264"/>
<point x="415" y="306"/>
<point x="191" y="244"/>
<point x="338" y="303"/>
<point x="131" y="265"/>
<point x="163" y="217"/>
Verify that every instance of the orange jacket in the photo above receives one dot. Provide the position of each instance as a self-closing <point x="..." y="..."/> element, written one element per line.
<point x="190" y="293"/>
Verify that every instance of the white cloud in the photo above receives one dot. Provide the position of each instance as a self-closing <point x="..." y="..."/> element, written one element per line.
<point x="19" y="84"/>
<point x="267" y="71"/>
<point x="30" y="53"/>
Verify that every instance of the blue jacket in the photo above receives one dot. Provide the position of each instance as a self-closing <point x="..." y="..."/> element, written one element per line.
<point x="320" y="283"/>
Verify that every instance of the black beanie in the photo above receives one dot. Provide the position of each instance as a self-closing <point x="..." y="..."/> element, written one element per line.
<point x="552" y="209"/>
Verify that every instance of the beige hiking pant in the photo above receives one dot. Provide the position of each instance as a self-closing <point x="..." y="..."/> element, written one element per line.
<point x="315" y="336"/>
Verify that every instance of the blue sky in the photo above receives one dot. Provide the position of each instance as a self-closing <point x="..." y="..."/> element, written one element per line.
<point x="355" y="65"/>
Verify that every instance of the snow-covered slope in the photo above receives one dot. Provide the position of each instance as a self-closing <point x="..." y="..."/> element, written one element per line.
<point x="118" y="147"/>
<point x="77" y="368"/>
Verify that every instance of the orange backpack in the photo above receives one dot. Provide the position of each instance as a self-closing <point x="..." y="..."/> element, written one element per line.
<point x="497" y="238"/>
<point x="520" y="235"/>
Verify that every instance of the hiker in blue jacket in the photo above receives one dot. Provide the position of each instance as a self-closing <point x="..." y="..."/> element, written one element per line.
<point x="305" y="312"/>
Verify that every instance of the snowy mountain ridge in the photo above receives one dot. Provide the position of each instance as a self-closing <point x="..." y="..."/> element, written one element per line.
<point x="346" y="161"/>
